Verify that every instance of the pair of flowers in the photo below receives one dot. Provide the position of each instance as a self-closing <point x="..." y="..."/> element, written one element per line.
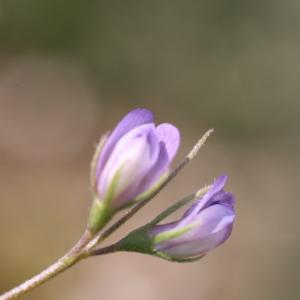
<point x="131" y="161"/>
<point x="130" y="166"/>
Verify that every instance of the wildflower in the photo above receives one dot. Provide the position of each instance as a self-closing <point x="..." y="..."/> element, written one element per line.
<point x="132" y="159"/>
<point x="204" y="226"/>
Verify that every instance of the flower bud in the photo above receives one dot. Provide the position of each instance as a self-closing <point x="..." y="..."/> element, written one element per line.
<point x="204" y="226"/>
<point x="132" y="159"/>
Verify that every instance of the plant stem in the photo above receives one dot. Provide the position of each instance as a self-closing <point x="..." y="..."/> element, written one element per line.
<point x="86" y="243"/>
<point x="65" y="262"/>
<point x="149" y="196"/>
<point x="105" y="250"/>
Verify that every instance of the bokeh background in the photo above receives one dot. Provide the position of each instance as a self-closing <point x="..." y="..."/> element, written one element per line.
<point x="69" y="70"/>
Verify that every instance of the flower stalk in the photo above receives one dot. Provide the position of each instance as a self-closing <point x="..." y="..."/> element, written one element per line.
<point x="84" y="247"/>
<point x="62" y="264"/>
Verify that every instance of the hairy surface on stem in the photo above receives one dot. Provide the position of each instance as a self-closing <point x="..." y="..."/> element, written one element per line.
<point x="65" y="262"/>
<point x="88" y="241"/>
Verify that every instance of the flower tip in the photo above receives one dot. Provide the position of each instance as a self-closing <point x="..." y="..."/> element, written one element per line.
<point x="141" y="113"/>
<point x="222" y="179"/>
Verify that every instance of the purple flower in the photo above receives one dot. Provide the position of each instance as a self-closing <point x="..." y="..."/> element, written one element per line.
<point x="134" y="157"/>
<point x="204" y="226"/>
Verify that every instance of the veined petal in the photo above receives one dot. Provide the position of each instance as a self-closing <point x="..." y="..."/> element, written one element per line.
<point x="212" y="227"/>
<point x="204" y="226"/>
<point x="134" y="155"/>
<point x="157" y="170"/>
<point x="204" y="201"/>
<point x="157" y="229"/>
<point x="133" y="119"/>
<point x="210" y="220"/>
<point x="170" y="136"/>
<point x="199" y="247"/>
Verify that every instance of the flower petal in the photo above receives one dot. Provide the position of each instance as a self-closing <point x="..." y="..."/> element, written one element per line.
<point x="157" y="229"/>
<point x="214" y="225"/>
<point x="133" y="119"/>
<point x="158" y="169"/>
<point x="170" y="136"/>
<point x="204" y="201"/>
<point x="196" y="247"/>
<point x="134" y="156"/>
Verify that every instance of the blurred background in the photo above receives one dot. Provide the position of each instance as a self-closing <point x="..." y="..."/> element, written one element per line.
<point x="69" y="70"/>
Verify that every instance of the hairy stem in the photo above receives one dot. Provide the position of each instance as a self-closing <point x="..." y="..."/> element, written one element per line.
<point x="88" y="241"/>
<point x="65" y="262"/>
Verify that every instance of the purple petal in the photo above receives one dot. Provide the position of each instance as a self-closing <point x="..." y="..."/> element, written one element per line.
<point x="205" y="201"/>
<point x="133" y="119"/>
<point x="170" y="136"/>
<point x="125" y="150"/>
<point x="200" y="247"/>
<point x="210" y="220"/>
<point x="223" y="198"/>
<point x="212" y="227"/>
<point x="158" y="169"/>
<point x="157" y="229"/>
<point x="137" y="151"/>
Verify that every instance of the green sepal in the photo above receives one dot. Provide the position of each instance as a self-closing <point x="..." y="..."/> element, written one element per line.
<point x="99" y="216"/>
<point x="178" y="260"/>
<point x="102" y="210"/>
<point x="171" y="209"/>
<point x="138" y="240"/>
<point x="171" y="234"/>
<point x="167" y="212"/>
<point x="94" y="162"/>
